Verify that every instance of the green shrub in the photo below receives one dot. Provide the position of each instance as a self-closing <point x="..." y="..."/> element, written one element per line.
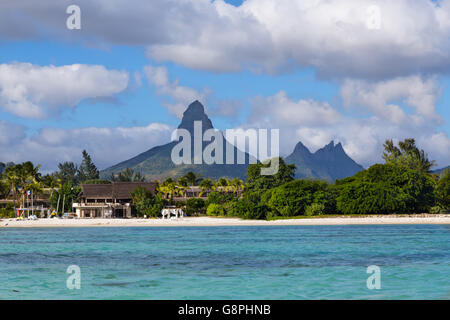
<point x="291" y="199"/>
<point x="443" y="192"/>
<point x="385" y="188"/>
<point x="195" y="206"/>
<point x="7" y="213"/>
<point x="437" y="210"/>
<point x="315" y="209"/>
<point x="145" y="203"/>
<point x="218" y="198"/>
<point x="215" y="210"/>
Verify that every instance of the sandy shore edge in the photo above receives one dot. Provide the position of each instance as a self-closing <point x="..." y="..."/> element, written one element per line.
<point x="211" y="221"/>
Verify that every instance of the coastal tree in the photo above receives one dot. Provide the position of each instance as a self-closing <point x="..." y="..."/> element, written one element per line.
<point x="206" y="185"/>
<point x="5" y="189"/>
<point x="68" y="172"/>
<point x="87" y="169"/>
<point x="407" y="154"/>
<point x="192" y="178"/>
<point x="51" y="181"/>
<point x="215" y="210"/>
<point x="63" y="197"/>
<point x="128" y="175"/>
<point x="236" y="185"/>
<point x="195" y="206"/>
<point x="169" y="188"/>
<point x="256" y="181"/>
<point x="385" y="188"/>
<point x="12" y="179"/>
<point x="443" y="191"/>
<point x="292" y="198"/>
<point x="223" y="184"/>
<point x="146" y="203"/>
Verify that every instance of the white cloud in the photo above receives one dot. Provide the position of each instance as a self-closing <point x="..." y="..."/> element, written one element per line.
<point x="34" y="91"/>
<point x="270" y="35"/>
<point x="281" y="109"/>
<point x="380" y="97"/>
<point x="107" y="146"/>
<point x="317" y="123"/>
<point x="180" y="95"/>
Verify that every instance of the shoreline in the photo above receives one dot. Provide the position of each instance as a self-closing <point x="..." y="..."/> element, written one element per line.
<point x="215" y="221"/>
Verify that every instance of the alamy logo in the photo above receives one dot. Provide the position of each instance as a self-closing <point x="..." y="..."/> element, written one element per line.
<point x="373" y="21"/>
<point x="74" y="20"/>
<point x="374" y="281"/>
<point x="74" y="280"/>
<point x="257" y="141"/>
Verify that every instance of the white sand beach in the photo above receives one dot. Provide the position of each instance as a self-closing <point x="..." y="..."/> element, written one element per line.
<point x="211" y="221"/>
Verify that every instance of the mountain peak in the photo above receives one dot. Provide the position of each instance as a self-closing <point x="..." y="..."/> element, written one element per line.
<point x="301" y="148"/>
<point x="329" y="163"/>
<point x="339" y="147"/>
<point x="195" y="112"/>
<point x="195" y="107"/>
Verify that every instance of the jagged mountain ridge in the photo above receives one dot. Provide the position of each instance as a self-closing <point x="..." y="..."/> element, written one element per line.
<point x="328" y="163"/>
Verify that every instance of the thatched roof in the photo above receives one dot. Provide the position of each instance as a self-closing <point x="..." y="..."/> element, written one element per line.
<point x="122" y="190"/>
<point x="97" y="191"/>
<point x="115" y="190"/>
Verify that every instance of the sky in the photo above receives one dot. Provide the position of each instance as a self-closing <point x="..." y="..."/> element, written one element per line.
<point x="356" y="72"/>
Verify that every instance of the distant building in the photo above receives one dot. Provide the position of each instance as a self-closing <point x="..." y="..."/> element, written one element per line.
<point x="108" y="200"/>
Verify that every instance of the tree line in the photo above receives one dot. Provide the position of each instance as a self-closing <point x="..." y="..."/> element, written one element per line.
<point x="403" y="184"/>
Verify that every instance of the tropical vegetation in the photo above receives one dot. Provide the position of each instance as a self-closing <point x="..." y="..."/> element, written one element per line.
<point x="403" y="184"/>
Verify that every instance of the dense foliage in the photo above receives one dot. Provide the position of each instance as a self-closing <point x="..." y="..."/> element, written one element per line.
<point x="62" y="199"/>
<point x="145" y="203"/>
<point x="87" y="169"/>
<point x="215" y="210"/>
<point x="257" y="181"/>
<point x="385" y="188"/>
<point x="195" y="206"/>
<point x="443" y="192"/>
<point x="404" y="184"/>
<point x="292" y="198"/>
<point x="408" y="155"/>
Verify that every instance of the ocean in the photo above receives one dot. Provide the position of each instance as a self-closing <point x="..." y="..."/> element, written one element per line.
<point x="271" y="262"/>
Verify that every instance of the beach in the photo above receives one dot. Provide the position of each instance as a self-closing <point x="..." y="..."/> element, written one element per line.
<point x="215" y="221"/>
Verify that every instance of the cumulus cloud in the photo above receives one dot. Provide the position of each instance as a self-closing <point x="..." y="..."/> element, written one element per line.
<point x="380" y="97"/>
<point x="34" y="91"/>
<point x="316" y="123"/>
<point x="50" y="146"/>
<point x="180" y="95"/>
<point x="281" y="109"/>
<point x="333" y="36"/>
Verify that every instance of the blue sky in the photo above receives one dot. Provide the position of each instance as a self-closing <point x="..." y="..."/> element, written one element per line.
<point x="312" y="94"/>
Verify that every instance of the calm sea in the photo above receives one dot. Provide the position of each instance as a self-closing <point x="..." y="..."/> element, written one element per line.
<point x="298" y="262"/>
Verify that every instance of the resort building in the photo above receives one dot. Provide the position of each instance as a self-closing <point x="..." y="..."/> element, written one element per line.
<point x="111" y="200"/>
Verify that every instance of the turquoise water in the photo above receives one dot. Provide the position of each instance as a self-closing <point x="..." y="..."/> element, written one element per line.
<point x="298" y="262"/>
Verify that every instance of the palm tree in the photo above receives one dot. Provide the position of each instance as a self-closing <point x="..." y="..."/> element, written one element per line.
<point x="52" y="181"/>
<point x="182" y="184"/>
<point x="126" y="175"/>
<point x="138" y="177"/>
<point x="12" y="178"/>
<point x="192" y="179"/>
<point x="169" y="188"/>
<point x="224" y="184"/>
<point x="206" y="185"/>
<point x="237" y="185"/>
